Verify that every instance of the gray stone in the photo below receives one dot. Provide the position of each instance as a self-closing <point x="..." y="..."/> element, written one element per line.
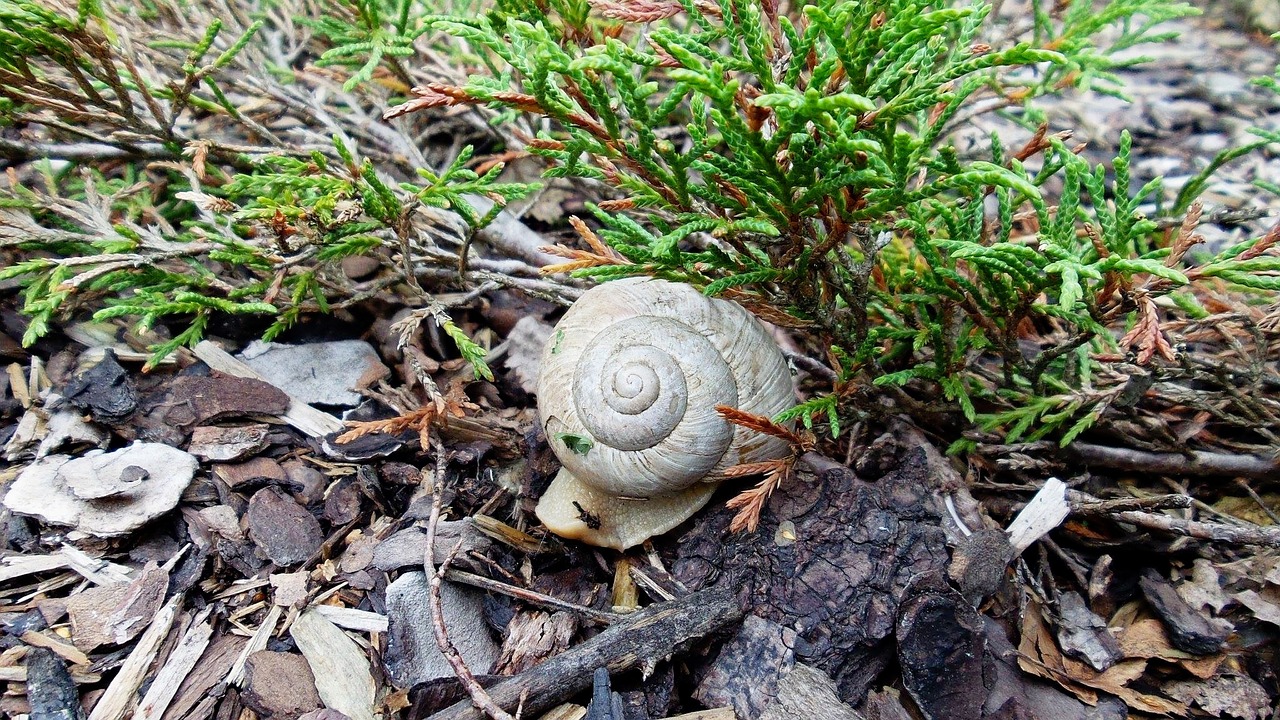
<point x="323" y="373"/>
<point x="412" y="655"/>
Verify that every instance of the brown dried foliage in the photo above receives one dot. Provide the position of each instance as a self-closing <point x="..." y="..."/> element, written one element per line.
<point x="600" y="253"/>
<point x="1146" y="334"/>
<point x="436" y="413"/>
<point x="750" y="503"/>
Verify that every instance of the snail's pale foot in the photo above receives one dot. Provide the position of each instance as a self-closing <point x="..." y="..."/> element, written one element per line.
<point x="575" y="511"/>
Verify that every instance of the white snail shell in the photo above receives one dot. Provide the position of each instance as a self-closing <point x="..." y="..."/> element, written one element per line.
<point x="627" y="392"/>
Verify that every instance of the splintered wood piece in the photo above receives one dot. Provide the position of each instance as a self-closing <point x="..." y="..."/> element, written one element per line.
<point x="235" y="676"/>
<point x="175" y="669"/>
<point x="568" y="711"/>
<point x="205" y="684"/>
<point x="16" y="566"/>
<point x="723" y="713"/>
<point x="63" y="650"/>
<point x="340" y="667"/>
<point x="115" y="702"/>
<point x="645" y="637"/>
<point x="1045" y="512"/>
<point x="98" y="572"/>
<point x="300" y="415"/>
<point x="352" y="619"/>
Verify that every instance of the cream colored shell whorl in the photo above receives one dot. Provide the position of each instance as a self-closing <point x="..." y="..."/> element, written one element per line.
<point x="636" y="369"/>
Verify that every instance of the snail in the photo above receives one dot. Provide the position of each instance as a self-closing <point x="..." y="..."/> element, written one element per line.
<point x="627" y="392"/>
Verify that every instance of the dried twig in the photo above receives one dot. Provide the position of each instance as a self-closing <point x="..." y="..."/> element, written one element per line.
<point x="1087" y="505"/>
<point x="643" y="637"/>
<point x="1195" y="463"/>
<point x="1218" y="532"/>
<point x="530" y="596"/>
<point x="479" y="697"/>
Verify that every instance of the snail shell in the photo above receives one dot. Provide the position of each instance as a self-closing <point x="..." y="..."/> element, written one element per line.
<point x="627" y="392"/>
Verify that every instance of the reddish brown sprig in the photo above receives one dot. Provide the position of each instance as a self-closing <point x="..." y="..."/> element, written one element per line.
<point x="618" y="205"/>
<point x="433" y="95"/>
<point x="1187" y="237"/>
<point x="1146" y="334"/>
<point x="762" y="424"/>
<point x="750" y="503"/>
<point x="637" y="11"/>
<point x="600" y="253"/>
<point x="435" y="413"/>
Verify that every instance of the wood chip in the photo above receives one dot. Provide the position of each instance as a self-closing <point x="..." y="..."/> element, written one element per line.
<point x="115" y="614"/>
<point x="298" y="414"/>
<point x="235" y="676"/>
<point x="285" y="531"/>
<point x="340" y="667"/>
<point x="63" y="650"/>
<point x="352" y="619"/>
<point x="123" y="690"/>
<point x="1045" y="512"/>
<point x="176" y="668"/>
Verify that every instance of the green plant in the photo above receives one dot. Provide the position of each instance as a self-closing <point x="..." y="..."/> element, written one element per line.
<point x="241" y="223"/>
<point x="799" y="164"/>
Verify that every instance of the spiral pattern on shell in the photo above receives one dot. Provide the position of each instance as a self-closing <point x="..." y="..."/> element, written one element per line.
<point x="637" y="367"/>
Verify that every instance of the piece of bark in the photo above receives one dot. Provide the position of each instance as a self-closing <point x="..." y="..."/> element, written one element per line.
<point x="209" y="673"/>
<point x="406" y="547"/>
<point x="318" y="373"/>
<point x="343" y="504"/>
<point x="251" y="474"/>
<point x="340" y="668"/>
<point x="1226" y="695"/>
<point x="641" y="639"/>
<point x="857" y="547"/>
<point x="290" y="589"/>
<point x="95" y="570"/>
<point x="282" y="528"/>
<point x="123" y="690"/>
<point x="1189" y="631"/>
<point x="306" y="484"/>
<point x="105" y="391"/>
<point x="279" y="685"/>
<point x="1084" y="635"/>
<point x="104" y="494"/>
<point x="531" y="637"/>
<point x="70" y="653"/>
<point x="50" y="689"/>
<point x="942" y="650"/>
<point x="324" y="714"/>
<point x="746" y="673"/>
<point x="605" y="704"/>
<point x="115" y="614"/>
<point x="228" y="444"/>
<point x="298" y="414"/>
<point x="235" y="675"/>
<point x="196" y="400"/>
<point x="412" y="656"/>
<point x="168" y="679"/>
<point x="885" y="704"/>
<point x="18" y="566"/>
<point x="806" y="692"/>
<point x="353" y="619"/>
